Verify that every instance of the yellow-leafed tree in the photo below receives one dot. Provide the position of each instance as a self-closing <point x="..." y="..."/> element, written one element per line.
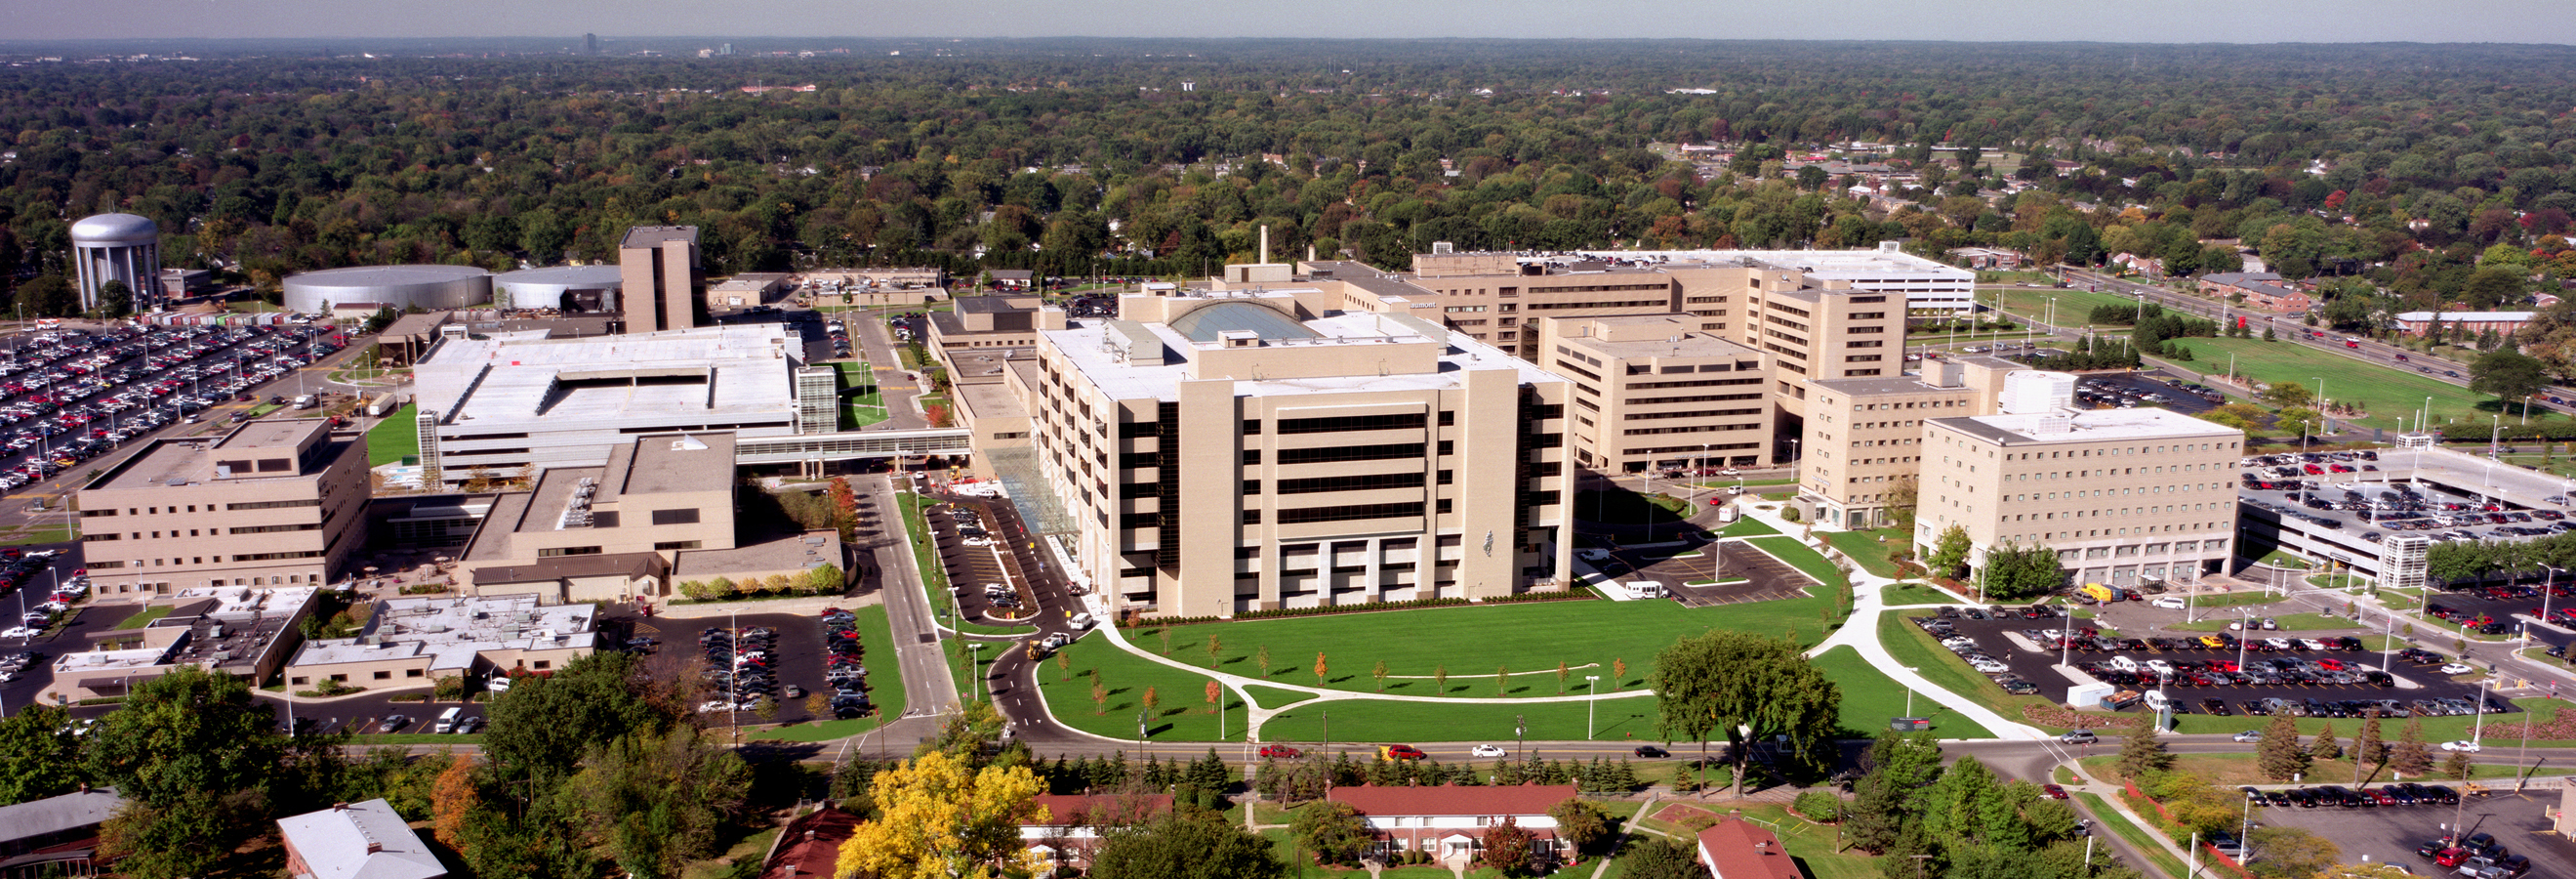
<point x="939" y="819"/>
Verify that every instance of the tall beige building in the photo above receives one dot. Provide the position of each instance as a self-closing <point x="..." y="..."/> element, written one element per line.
<point x="1863" y="438"/>
<point x="664" y="287"/>
<point x="1654" y="392"/>
<point x="271" y="503"/>
<point x="2122" y="495"/>
<point x="1229" y="452"/>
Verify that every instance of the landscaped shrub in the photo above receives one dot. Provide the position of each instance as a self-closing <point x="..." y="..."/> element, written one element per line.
<point x="1819" y="806"/>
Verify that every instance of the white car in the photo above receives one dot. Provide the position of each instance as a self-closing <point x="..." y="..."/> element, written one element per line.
<point x="2250" y="736"/>
<point x="2457" y="668"/>
<point x="2160" y="667"/>
<point x="1988" y="666"/>
<point x="19" y="632"/>
<point x="2461" y="745"/>
<point x="715" y="706"/>
<point x="2314" y="644"/>
<point x="2168" y="602"/>
<point x="1487" y="751"/>
<point x="2278" y="643"/>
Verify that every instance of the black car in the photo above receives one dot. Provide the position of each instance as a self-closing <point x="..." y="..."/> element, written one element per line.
<point x="1652" y="752"/>
<point x="2442" y="794"/>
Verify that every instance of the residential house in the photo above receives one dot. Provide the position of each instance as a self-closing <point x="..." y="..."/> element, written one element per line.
<point x="56" y="834"/>
<point x="809" y="845"/>
<point x="2464" y="324"/>
<point x="1989" y="258"/>
<point x="1070" y="834"/>
<point x="1450" y="822"/>
<point x="1740" y="849"/>
<point x="366" y="840"/>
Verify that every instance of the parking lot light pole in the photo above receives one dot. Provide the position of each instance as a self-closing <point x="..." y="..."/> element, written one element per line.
<point x="2548" y="588"/>
<point x="1591" y="685"/>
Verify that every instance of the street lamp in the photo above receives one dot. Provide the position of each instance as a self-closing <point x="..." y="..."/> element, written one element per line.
<point x="1591" y="686"/>
<point x="1743" y="749"/>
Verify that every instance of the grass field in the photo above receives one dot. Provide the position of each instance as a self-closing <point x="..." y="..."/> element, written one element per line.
<point x="1871" y="698"/>
<point x="2073" y="306"/>
<point x="2386" y="394"/>
<point x="2238" y="599"/>
<point x="1867" y="548"/>
<point x="1916" y="593"/>
<point x="2138" y="837"/>
<point x="1747" y="528"/>
<point x="1180" y="710"/>
<point x="2504" y="730"/>
<point x="1918" y="651"/>
<point x="394" y="438"/>
<point x="866" y="406"/>
<point x="1382" y="721"/>
<point x="876" y="640"/>
<point x="2297" y="622"/>
<point x="145" y="616"/>
<point x="1527" y="640"/>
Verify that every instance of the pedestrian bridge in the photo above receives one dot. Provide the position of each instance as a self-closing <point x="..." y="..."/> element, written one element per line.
<point x="850" y="445"/>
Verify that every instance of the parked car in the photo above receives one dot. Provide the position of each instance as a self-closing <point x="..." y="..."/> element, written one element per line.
<point x="2251" y="735"/>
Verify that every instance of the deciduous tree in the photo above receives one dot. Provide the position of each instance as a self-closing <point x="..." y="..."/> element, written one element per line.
<point x="1333" y="831"/>
<point x="1722" y="680"/>
<point x="1185" y="845"/>
<point x="938" y="819"/>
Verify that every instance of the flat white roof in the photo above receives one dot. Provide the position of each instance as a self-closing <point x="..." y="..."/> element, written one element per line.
<point x="2089" y="426"/>
<point x="730" y="370"/>
<point x="455" y="629"/>
<point x="1085" y="344"/>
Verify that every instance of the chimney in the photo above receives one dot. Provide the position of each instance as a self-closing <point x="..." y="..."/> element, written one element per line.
<point x="339" y="807"/>
<point x="1265" y="244"/>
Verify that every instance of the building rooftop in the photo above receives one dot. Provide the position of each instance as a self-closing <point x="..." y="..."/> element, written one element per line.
<point x="52" y="815"/>
<point x="1523" y="799"/>
<point x="385" y="276"/>
<point x="456" y="629"/>
<point x="1865" y="387"/>
<point x="685" y="462"/>
<point x="192" y="460"/>
<point x="366" y="840"/>
<point x="649" y="236"/>
<point x="792" y="552"/>
<point x="2089" y="426"/>
<point x="1736" y="849"/>
<point x="1093" y="347"/>
<point x="739" y="370"/>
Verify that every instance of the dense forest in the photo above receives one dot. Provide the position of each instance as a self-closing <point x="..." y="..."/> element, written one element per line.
<point x="2431" y="172"/>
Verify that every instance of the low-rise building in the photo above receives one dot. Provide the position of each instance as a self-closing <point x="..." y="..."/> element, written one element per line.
<point x="2120" y="494"/>
<point x="990" y="322"/>
<point x="618" y="532"/>
<point x="1075" y="825"/>
<point x="55" y="830"/>
<point x="2463" y="323"/>
<point x="1653" y="392"/>
<point x="416" y="641"/>
<point x="234" y="630"/>
<point x="269" y="503"/>
<point x="1989" y="258"/>
<point x="747" y="290"/>
<point x="1449" y="822"/>
<point x="366" y="840"/>
<point x="1738" y="849"/>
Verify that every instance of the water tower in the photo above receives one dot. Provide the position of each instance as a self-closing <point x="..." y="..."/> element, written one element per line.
<point x="117" y="247"/>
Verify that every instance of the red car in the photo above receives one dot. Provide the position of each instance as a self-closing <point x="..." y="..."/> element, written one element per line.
<point x="1280" y="752"/>
<point x="2054" y="791"/>
<point x="1400" y="752"/>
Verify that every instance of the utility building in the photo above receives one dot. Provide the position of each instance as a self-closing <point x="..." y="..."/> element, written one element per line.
<point x="663" y="285"/>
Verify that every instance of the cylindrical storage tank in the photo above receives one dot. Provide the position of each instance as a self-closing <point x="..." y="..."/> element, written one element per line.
<point x="434" y="288"/>
<point x="116" y="247"/>
<point x="570" y="288"/>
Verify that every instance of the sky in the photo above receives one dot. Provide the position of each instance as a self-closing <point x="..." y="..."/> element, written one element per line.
<point x="2137" y="21"/>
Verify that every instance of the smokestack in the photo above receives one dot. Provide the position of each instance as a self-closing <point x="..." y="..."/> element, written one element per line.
<point x="1265" y="244"/>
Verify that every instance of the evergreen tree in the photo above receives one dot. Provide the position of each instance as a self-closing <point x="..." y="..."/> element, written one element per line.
<point x="2279" y="754"/>
<point x="2367" y="747"/>
<point x="2325" y="747"/>
<point x="2410" y="756"/>
<point x="2457" y="765"/>
<point x="2142" y="753"/>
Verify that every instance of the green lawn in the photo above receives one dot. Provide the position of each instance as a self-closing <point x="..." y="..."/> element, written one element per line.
<point x="1527" y="640"/>
<point x="2238" y="599"/>
<point x="1180" y="711"/>
<point x="2297" y="622"/>
<point x="394" y="438"/>
<point x="1747" y="528"/>
<point x="1811" y="562"/>
<point x="1916" y="593"/>
<point x="145" y="616"/>
<point x="1870" y="698"/>
<point x="1381" y="721"/>
<point x="867" y="405"/>
<point x="2386" y="394"/>
<point x="885" y="689"/>
<point x="2073" y="306"/>
<point x="2500" y="729"/>
<point x="1868" y="549"/>
<point x="2138" y="837"/>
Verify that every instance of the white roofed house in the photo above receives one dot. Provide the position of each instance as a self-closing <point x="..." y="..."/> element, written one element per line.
<point x="366" y="840"/>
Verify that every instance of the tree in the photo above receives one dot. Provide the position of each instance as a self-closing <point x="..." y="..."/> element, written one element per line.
<point x="1440" y="680"/>
<point x="39" y="756"/>
<point x="2508" y="374"/>
<point x="1151" y="701"/>
<point x="1502" y="679"/>
<point x="1654" y="857"/>
<point x="1320" y="668"/>
<point x="2299" y="418"/>
<point x="1720" y="680"/>
<point x="657" y="801"/>
<point x="2015" y="572"/>
<point x="1380" y="674"/>
<point x="2367" y="747"/>
<point x="2291" y="853"/>
<point x="938" y="819"/>
<point x="1184" y="845"/>
<point x="2411" y="756"/>
<point x="1215" y="697"/>
<point x="2457" y="765"/>
<point x="1561" y="672"/>
<point x="2279" y="753"/>
<point x="2241" y="416"/>
<point x="544" y="726"/>
<point x="1580" y="823"/>
<point x="193" y="755"/>
<point x="453" y="800"/>
<point x="1333" y="831"/>
<point x="47" y="296"/>
<point x="1902" y="495"/>
<point x="1949" y="556"/>
<point x="1099" y="694"/>
<point x="1263" y="657"/>
<point x="115" y="299"/>
<point x="2287" y="395"/>
<point x="1507" y="847"/>
<point x="2144" y="752"/>
<point x="2325" y="747"/>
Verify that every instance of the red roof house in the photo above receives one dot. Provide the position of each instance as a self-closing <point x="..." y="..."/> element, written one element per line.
<point x="1740" y="849"/>
<point x="1070" y="833"/>
<point x="1450" y="821"/>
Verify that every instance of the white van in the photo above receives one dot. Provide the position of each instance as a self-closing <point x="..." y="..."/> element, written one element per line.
<point x="1645" y="589"/>
<point x="447" y="720"/>
<point x="2169" y="602"/>
<point x="2157" y="702"/>
<point x="2124" y="663"/>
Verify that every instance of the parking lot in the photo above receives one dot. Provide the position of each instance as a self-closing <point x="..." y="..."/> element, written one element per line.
<point x="970" y="546"/>
<point x="68" y="396"/>
<point x="2391" y="834"/>
<point x="794" y="659"/>
<point x="2201" y="678"/>
<point x="1678" y="564"/>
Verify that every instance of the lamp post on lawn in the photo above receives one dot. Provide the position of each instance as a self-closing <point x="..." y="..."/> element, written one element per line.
<point x="1591" y="687"/>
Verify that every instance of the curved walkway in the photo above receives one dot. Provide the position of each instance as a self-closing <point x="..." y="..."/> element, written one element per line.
<point x="1858" y="632"/>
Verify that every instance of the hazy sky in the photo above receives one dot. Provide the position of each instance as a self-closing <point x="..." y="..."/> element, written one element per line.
<point x="2151" y="21"/>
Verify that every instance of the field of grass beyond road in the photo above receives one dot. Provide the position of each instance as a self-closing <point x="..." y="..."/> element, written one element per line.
<point x="2387" y="394"/>
<point x="394" y="438"/>
<point x="1871" y="699"/>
